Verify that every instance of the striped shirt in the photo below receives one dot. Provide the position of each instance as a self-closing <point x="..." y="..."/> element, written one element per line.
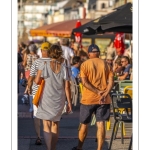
<point x="33" y="72"/>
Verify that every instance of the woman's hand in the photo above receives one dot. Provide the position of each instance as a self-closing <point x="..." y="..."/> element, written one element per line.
<point x="69" y="108"/>
<point x="29" y="91"/>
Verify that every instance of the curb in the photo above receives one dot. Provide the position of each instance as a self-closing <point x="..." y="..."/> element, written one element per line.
<point x="71" y="137"/>
<point x="24" y="115"/>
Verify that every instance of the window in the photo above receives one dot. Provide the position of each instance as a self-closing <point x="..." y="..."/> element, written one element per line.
<point x="102" y="43"/>
<point x="103" y="5"/>
<point x="86" y="42"/>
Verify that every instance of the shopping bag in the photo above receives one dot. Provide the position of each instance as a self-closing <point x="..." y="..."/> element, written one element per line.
<point x="38" y="93"/>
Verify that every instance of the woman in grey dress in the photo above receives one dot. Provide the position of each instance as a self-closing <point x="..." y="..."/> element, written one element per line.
<point x="56" y="89"/>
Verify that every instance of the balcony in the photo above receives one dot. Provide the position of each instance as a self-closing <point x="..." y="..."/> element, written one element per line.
<point x="21" y="18"/>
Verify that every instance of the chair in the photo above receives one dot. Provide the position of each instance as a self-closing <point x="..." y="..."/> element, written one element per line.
<point x="128" y="90"/>
<point x="123" y="84"/>
<point x="120" y="101"/>
<point x="125" y="90"/>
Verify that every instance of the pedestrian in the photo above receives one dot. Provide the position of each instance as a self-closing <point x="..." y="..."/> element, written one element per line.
<point x="76" y="48"/>
<point x="19" y="63"/>
<point x="83" y="55"/>
<point x="29" y="60"/>
<point x="117" y="68"/>
<point x="76" y="62"/>
<point x="97" y="81"/>
<point x="109" y="60"/>
<point x="33" y="87"/>
<point x="56" y="89"/>
<point x="23" y="48"/>
<point x="125" y="61"/>
<point x="67" y="53"/>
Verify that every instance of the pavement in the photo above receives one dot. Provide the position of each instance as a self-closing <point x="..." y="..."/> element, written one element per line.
<point x="68" y="131"/>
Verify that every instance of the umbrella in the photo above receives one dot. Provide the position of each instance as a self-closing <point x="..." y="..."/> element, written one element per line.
<point x="117" y="21"/>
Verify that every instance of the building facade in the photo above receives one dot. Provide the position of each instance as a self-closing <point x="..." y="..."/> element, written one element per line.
<point x="33" y="14"/>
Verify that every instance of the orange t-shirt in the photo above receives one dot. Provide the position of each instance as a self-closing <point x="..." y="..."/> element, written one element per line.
<point x="97" y="72"/>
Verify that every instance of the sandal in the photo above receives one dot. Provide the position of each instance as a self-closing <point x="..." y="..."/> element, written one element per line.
<point x="75" y="148"/>
<point x="38" y="141"/>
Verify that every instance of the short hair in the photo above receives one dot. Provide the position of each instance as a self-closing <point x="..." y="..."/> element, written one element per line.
<point x="118" y="61"/>
<point x="83" y="53"/>
<point x="64" y="41"/>
<point x="75" y="60"/>
<point x="55" y="51"/>
<point x="23" y="45"/>
<point x="127" y="58"/>
<point x="31" y="42"/>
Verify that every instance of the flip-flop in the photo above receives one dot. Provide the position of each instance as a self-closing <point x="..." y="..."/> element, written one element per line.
<point x="38" y="141"/>
<point x="75" y="148"/>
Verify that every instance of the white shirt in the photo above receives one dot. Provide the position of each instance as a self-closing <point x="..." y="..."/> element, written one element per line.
<point x="39" y="52"/>
<point x="67" y="54"/>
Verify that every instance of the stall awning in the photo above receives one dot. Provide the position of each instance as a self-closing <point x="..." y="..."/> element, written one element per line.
<point x="59" y="29"/>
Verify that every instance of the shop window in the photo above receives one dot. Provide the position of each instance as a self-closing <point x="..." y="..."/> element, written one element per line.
<point x="103" y="5"/>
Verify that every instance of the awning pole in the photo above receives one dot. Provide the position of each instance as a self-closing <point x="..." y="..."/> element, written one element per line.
<point x="45" y="39"/>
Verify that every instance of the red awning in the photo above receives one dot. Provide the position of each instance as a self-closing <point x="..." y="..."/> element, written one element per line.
<point x="59" y="29"/>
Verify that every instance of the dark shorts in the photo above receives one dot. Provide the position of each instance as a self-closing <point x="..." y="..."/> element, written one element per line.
<point x="102" y="112"/>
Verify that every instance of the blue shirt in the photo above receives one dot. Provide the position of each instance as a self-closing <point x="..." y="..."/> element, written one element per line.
<point x="75" y="71"/>
<point x="127" y="69"/>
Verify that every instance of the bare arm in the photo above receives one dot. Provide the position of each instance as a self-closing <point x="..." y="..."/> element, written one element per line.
<point x="123" y="77"/>
<point x="67" y="90"/>
<point x="24" y="60"/>
<point x="38" y="77"/>
<point x="30" y="82"/>
<point x="110" y="83"/>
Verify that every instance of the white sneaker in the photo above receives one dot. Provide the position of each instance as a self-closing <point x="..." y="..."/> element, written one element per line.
<point x="25" y="99"/>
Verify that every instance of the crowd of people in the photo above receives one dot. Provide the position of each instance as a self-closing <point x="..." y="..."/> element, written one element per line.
<point x="57" y="64"/>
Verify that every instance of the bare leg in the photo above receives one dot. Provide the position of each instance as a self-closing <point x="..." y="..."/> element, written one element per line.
<point x="55" y="133"/>
<point x="37" y="125"/>
<point x="47" y="133"/>
<point x="83" y="129"/>
<point x="26" y="90"/>
<point x="100" y="134"/>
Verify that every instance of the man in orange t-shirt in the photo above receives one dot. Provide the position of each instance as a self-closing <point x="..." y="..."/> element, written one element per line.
<point x="97" y="80"/>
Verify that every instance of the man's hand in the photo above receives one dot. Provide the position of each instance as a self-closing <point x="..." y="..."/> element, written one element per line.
<point x="100" y="92"/>
<point x="103" y="96"/>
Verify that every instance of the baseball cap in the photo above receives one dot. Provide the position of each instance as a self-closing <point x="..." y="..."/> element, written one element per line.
<point x="93" y="48"/>
<point x="45" y="46"/>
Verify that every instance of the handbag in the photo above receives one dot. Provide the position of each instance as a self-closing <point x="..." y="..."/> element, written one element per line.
<point x="27" y="74"/>
<point x="38" y="93"/>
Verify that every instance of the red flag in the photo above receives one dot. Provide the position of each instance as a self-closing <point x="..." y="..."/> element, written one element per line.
<point x="119" y="42"/>
<point x="78" y="35"/>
